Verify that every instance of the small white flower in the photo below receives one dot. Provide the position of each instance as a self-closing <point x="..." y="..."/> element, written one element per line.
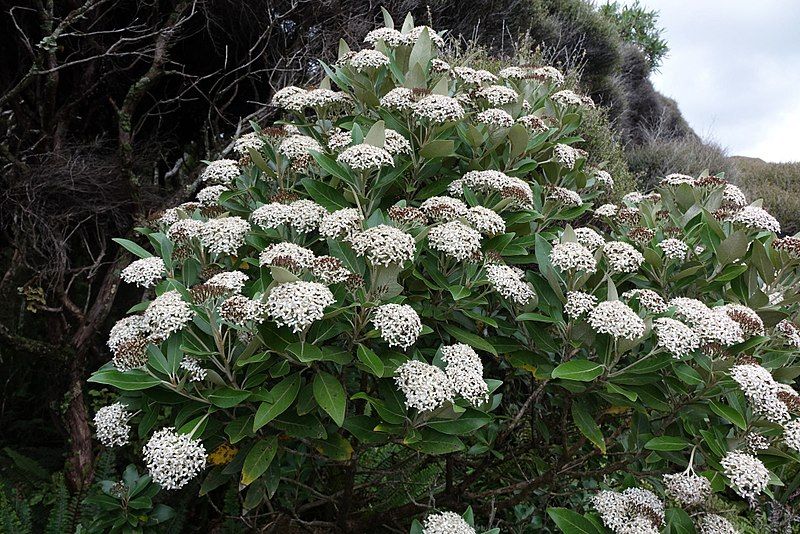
<point x="222" y="172"/>
<point x="282" y="97"/>
<point x="675" y="337"/>
<point x="185" y="229"/>
<point x="465" y="371"/>
<point x="622" y="257"/>
<point x="341" y="224"/>
<point x="455" y="239"/>
<point x="747" y="474"/>
<point x="567" y="256"/>
<point x="443" y="209"/>
<point x="495" y="117"/>
<point x="111" y="425"/>
<point x="399" y="98"/>
<point x="389" y="36"/>
<point x="339" y="140"/>
<point x="225" y="235"/>
<point x="687" y="488"/>
<point x="617" y="319"/>
<point x="715" y="524"/>
<point x="486" y="221"/>
<point x="761" y="391"/>
<point x="549" y="74"/>
<point x="509" y="282"/>
<point x="675" y="179"/>
<point x="606" y="210"/>
<point x="233" y="281"/>
<point x="446" y="523"/>
<point x="604" y="178"/>
<point x="471" y="76"/>
<point x="516" y="73"/>
<point x="241" y="311"/>
<point x="145" y="272"/>
<point x="498" y="95"/>
<point x="168" y="313"/>
<point x="757" y="219"/>
<point x="579" y="303"/>
<point x="298" y="304"/>
<point x="674" y="249"/>
<point x="569" y="98"/>
<point x="566" y="197"/>
<point x="395" y="143"/>
<point x="297" y="145"/>
<point x="173" y="459"/>
<point x="533" y="123"/>
<point x="247" y="141"/>
<point x="209" y="196"/>
<point x="368" y="59"/>
<point x="384" y="245"/>
<point x="398" y="324"/>
<point x="365" y="157"/>
<point x="566" y="155"/>
<point x="299" y="257"/>
<point x="194" y="371"/>
<point x="438" y="109"/>
<point x="424" y="386"/>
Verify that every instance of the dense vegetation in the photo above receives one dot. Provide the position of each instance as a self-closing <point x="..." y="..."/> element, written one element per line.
<point x="175" y="92"/>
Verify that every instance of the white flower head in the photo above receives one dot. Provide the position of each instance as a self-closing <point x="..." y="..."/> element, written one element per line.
<point x="424" y="386"/>
<point x="398" y="324"/>
<point x="486" y="221"/>
<point x="533" y="123"/>
<point x="145" y="272"/>
<point x="384" y="245"/>
<point x="194" y="371"/>
<point x="675" y="337"/>
<point x="209" y="196"/>
<point x="341" y="224"/>
<point x="240" y="310"/>
<point x="446" y="523"/>
<point x="589" y="238"/>
<point x="715" y="524"/>
<point x="365" y="157"/>
<point x="549" y="74"/>
<point x="509" y="282"/>
<point x="606" y="210"/>
<point x="173" y="459"/>
<point x="111" y="425"/>
<point x="761" y="391"/>
<point x="604" y="178"/>
<point x="224" y="235"/>
<point x="687" y="488"/>
<point x="168" y="313"/>
<point x="498" y="95"/>
<point x="185" y="229"/>
<point x="296" y="146"/>
<point x="617" y="319"/>
<point x="390" y="36"/>
<point x="748" y="475"/>
<point x="368" y="59"/>
<point x="223" y="172"/>
<point x="298" y="304"/>
<point x="247" y="141"/>
<point x="717" y="327"/>
<point x="567" y="256"/>
<point x="438" y="109"/>
<point x="443" y="208"/>
<point x="282" y="97"/>
<point x="287" y="255"/>
<point x="232" y="281"/>
<point x="465" y="371"/>
<point x="399" y="98"/>
<point x="674" y="249"/>
<point x="495" y="117"/>
<point x="791" y="434"/>
<point x="455" y="239"/>
<point x="579" y="303"/>
<point x="512" y="73"/>
<point x="566" y="197"/>
<point x="566" y="155"/>
<point x="648" y="299"/>
<point x="757" y="219"/>
<point x="395" y="143"/>
<point x="622" y="257"/>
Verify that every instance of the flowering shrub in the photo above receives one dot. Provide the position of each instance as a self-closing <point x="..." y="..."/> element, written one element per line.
<point x="410" y="294"/>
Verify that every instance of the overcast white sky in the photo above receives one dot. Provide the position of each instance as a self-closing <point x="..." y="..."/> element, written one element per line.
<point x="734" y="69"/>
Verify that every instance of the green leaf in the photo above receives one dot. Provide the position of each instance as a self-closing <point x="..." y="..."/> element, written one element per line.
<point x="434" y="442"/>
<point x="732" y="248"/>
<point x="678" y="522"/>
<point x="283" y="395"/>
<point x="330" y="395"/>
<point x="376" y="136"/>
<point x="587" y="425"/>
<point x="228" y="397"/>
<point x="468" y="422"/>
<point x="579" y="370"/>
<point x="666" y="443"/>
<point x="536" y="317"/>
<point x="133" y="380"/>
<point x="324" y="194"/>
<point x="132" y="247"/>
<point x="519" y="136"/>
<point x="438" y="148"/>
<point x="371" y="360"/>
<point x="421" y="53"/>
<point x="335" y="447"/>
<point x="258" y="459"/>
<point x="729" y="413"/>
<point x="470" y="339"/>
<point x="572" y="522"/>
<point x="305" y="352"/>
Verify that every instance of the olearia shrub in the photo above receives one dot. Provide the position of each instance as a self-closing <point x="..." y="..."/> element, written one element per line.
<point x="408" y="299"/>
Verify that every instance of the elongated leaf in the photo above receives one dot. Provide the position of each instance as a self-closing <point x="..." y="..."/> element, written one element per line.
<point x="579" y="370"/>
<point x="283" y="395"/>
<point x="666" y="443"/>
<point x="258" y="459"/>
<point x="470" y="339"/>
<point x="133" y="380"/>
<point x="228" y="397"/>
<point x="330" y="395"/>
<point x="324" y="194"/>
<point x="434" y="442"/>
<point x="587" y="425"/>
<point x="572" y="522"/>
<point x="132" y="247"/>
<point x="438" y="148"/>
<point x="729" y="413"/>
<point x="376" y="135"/>
<point x="371" y="360"/>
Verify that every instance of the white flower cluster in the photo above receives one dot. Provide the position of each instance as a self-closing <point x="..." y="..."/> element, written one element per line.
<point x="589" y="238"/>
<point x="617" y="319"/>
<point x="282" y="97"/>
<point x="604" y="177"/>
<point x="185" y="229"/>
<point x="368" y="59"/>
<point x="194" y="371"/>
<point x="318" y="99"/>
<point x="648" y="299"/>
<point x="715" y="524"/>
<point x="549" y="74"/>
<point x="491" y="181"/>
<point x="498" y="95"/>
<point x="168" y="313"/>
<point x="364" y="157"/>
<point x="622" y="257"/>
<point x="390" y="36"/>
<point x="222" y="171"/>
<point x="675" y="179"/>
<point x="509" y="282"/>
<point x="209" y="196"/>
<point x="111" y="425"/>
<point x="395" y="143"/>
<point x="399" y="98"/>
<point x="690" y="309"/>
<point x="533" y="123"/>
<point x="579" y="303"/>
<point x="733" y="197"/>
<point x="566" y="155"/>
<point x="486" y="221"/>
<point x="757" y="219"/>
<point x="687" y="488"/>
<point x="791" y="434"/>
<point x="570" y="98"/>
<point x="565" y="197"/>
<point x="303" y="215"/>
<point x="250" y="140"/>
<point x="675" y="337"/>
<point x="299" y="257"/>
<point x="446" y="523"/>
<point x="748" y="475"/>
<point x="633" y="511"/>
<point x="747" y="318"/>
<point x="495" y="117"/>
<point x="173" y="459"/>
<point x="761" y="391"/>
<point x="438" y="109"/>
<point x="398" y="324"/>
<point x="512" y="73"/>
<point x="145" y="272"/>
<point x="298" y="304"/>
<point x="606" y="210"/>
<point x="126" y="329"/>
<point x="465" y="371"/>
<point x="455" y="239"/>
<point x="339" y="139"/>
<point x="790" y="332"/>
<point x="240" y="310"/>
<point x="232" y="281"/>
<point x="297" y="146"/>
<point x="674" y="249"/>
<point x="443" y="209"/>
<point x="718" y="327"/>
<point x="471" y="76"/>
<point x="224" y="235"/>
<point x="566" y="256"/>
<point x="425" y="386"/>
<point x="384" y="245"/>
<point x="329" y="270"/>
<point x="341" y="224"/>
